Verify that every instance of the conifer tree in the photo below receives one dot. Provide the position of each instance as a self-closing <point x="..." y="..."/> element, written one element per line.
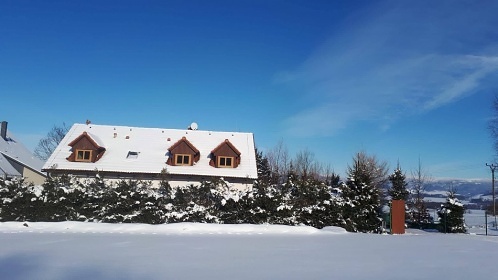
<point x="261" y="200"/>
<point x="263" y="167"/>
<point x="398" y="190"/>
<point x="361" y="199"/>
<point x="450" y="215"/>
<point x="265" y="200"/>
<point x="15" y="199"/>
<point x="165" y="189"/>
<point x="87" y="197"/>
<point x="284" y="213"/>
<point x="314" y="205"/>
<point x="233" y="206"/>
<point x="194" y="203"/>
<point x="118" y="202"/>
<point x="53" y="203"/>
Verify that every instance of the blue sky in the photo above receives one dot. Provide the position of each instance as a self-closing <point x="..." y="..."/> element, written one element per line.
<point x="402" y="80"/>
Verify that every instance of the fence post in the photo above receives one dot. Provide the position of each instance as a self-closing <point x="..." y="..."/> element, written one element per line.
<point x="486" y="221"/>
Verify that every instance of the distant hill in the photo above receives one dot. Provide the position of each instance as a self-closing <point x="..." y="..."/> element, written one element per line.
<point x="466" y="188"/>
<point x="475" y="194"/>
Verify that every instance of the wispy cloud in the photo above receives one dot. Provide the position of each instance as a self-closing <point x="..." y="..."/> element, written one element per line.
<point x="395" y="60"/>
<point x="474" y="69"/>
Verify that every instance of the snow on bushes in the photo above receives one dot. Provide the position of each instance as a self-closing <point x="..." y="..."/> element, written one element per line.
<point x="296" y="202"/>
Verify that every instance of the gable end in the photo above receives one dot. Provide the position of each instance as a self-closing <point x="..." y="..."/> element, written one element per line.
<point x="85" y="149"/>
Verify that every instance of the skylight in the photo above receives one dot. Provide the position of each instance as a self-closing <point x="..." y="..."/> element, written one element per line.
<point x="132" y="155"/>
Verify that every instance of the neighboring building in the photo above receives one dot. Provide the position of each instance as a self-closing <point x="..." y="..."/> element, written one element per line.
<point x="186" y="157"/>
<point x="17" y="161"/>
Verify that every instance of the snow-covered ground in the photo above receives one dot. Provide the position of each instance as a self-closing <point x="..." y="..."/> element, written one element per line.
<point x="76" y="250"/>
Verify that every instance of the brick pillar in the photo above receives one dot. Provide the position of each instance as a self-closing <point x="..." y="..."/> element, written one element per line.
<point x="398" y="217"/>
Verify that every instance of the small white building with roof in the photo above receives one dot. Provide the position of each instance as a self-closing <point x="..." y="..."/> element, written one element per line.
<point x="182" y="156"/>
<point x="16" y="160"/>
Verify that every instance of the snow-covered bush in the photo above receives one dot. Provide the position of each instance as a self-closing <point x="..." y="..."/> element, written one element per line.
<point x="15" y="198"/>
<point x="295" y="202"/>
<point x="193" y="203"/>
<point x="316" y="205"/>
<point x="27" y="202"/>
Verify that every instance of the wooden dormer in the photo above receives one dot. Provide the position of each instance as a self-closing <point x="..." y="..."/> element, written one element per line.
<point x="85" y="149"/>
<point x="183" y="153"/>
<point x="225" y="156"/>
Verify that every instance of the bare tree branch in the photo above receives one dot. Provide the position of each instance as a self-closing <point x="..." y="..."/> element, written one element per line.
<point x="376" y="169"/>
<point x="304" y="163"/>
<point x="278" y="159"/>
<point x="47" y="145"/>
<point x="419" y="179"/>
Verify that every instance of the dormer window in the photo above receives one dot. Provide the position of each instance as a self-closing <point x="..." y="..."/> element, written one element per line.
<point x="225" y="156"/>
<point x="183" y="159"/>
<point x="83" y="155"/>
<point x="225" y="162"/>
<point x="183" y="153"/>
<point x="85" y="149"/>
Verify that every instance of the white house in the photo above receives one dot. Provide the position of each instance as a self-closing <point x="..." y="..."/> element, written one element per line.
<point x="16" y="160"/>
<point x="187" y="156"/>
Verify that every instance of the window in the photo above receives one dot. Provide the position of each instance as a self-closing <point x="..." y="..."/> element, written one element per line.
<point x="225" y="161"/>
<point x="83" y="155"/>
<point x="181" y="159"/>
<point x="132" y="155"/>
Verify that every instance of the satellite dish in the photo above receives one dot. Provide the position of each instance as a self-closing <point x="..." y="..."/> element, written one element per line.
<point x="193" y="126"/>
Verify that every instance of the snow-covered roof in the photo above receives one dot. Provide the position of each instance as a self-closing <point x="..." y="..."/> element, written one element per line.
<point x="152" y="145"/>
<point x="6" y="169"/>
<point x="14" y="150"/>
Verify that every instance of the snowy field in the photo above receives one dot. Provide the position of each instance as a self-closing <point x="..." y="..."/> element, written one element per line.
<point x="76" y="250"/>
<point x="476" y="222"/>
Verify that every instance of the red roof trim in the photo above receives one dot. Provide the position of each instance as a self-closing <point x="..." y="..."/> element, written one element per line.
<point x="84" y="135"/>
<point x="184" y="140"/>
<point x="229" y="144"/>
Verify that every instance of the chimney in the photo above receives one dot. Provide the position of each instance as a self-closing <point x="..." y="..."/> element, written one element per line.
<point x="3" y="130"/>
